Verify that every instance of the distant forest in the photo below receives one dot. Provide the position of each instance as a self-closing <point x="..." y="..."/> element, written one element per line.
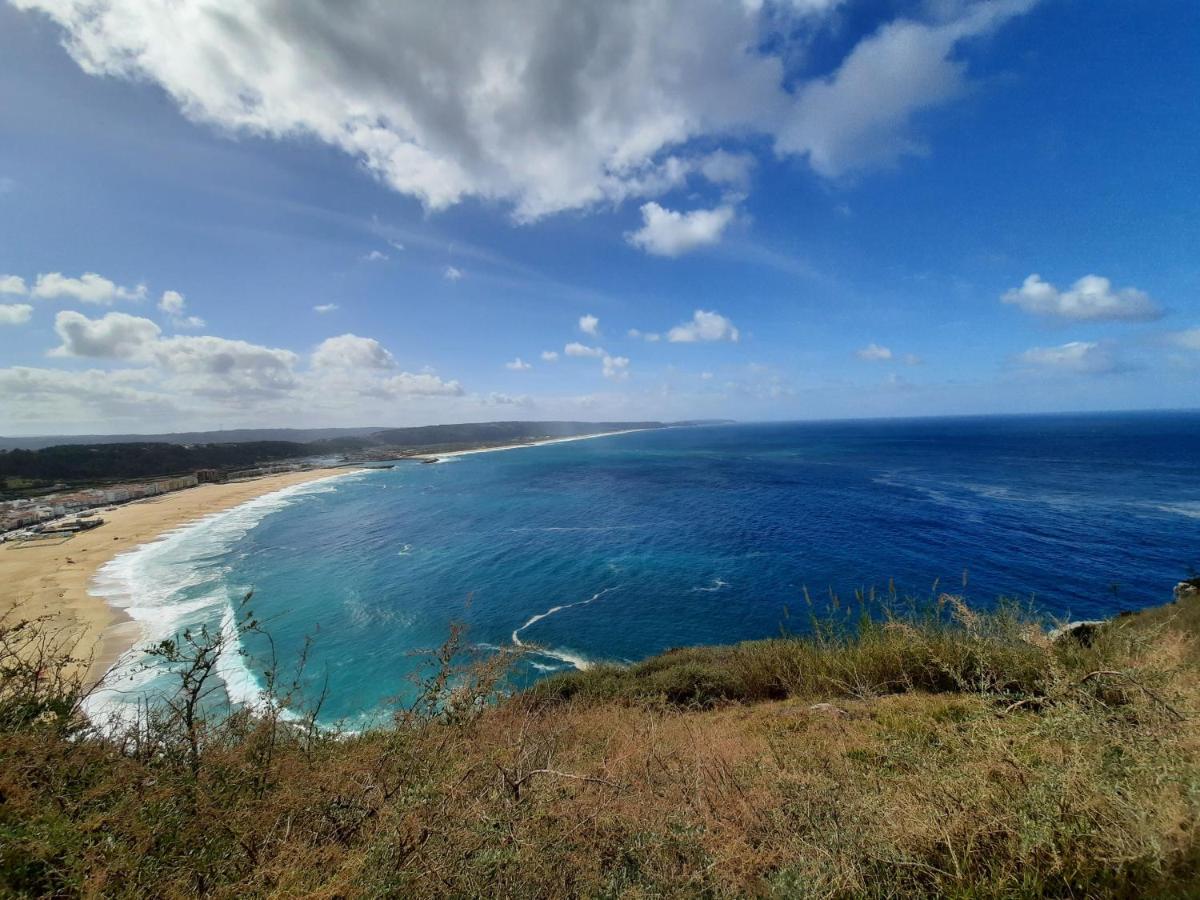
<point x="105" y="461"/>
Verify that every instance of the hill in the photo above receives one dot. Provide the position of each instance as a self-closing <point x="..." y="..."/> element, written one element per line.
<point x="927" y="752"/>
<point x="110" y="460"/>
<point x="422" y="435"/>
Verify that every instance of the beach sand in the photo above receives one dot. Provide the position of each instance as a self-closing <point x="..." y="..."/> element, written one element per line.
<point x="52" y="578"/>
<point x="538" y="443"/>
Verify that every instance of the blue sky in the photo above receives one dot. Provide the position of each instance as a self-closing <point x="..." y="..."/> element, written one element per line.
<point x="251" y="214"/>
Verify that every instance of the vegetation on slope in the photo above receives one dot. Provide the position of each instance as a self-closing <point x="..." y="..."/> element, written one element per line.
<point x="106" y="461"/>
<point x="944" y="753"/>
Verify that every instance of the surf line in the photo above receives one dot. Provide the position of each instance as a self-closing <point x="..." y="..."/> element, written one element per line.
<point x="577" y="661"/>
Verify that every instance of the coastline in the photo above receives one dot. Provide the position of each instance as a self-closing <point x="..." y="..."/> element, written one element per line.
<point x="54" y="579"/>
<point x="434" y="457"/>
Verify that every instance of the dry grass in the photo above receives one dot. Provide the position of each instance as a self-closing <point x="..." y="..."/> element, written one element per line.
<point x="961" y="754"/>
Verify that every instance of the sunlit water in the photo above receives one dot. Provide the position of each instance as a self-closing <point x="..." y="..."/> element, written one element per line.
<point x="616" y="548"/>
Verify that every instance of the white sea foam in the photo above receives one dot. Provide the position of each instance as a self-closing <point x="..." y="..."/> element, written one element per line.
<point x="717" y="585"/>
<point x="566" y="656"/>
<point x="149" y="582"/>
<point x="1188" y="509"/>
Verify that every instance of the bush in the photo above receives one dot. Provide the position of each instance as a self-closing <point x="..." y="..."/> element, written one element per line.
<point x="964" y="755"/>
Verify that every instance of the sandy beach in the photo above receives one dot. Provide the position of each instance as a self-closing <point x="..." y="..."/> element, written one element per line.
<point x="52" y="578"/>
<point x="495" y="449"/>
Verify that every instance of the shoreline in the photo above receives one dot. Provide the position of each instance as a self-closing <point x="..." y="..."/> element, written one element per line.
<point x="434" y="457"/>
<point x="54" y="579"/>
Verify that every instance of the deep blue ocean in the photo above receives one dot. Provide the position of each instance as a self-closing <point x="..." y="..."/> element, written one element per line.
<point x="615" y="548"/>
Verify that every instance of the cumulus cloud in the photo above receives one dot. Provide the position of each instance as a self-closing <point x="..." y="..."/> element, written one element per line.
<point x="452" y="274"/>
<point x="1091" y="298"/>
<point x="616" y="368"/>
<point x="859" y="116"/>
<point x="87" y="288"/>
<point x="874" y="353"/>
<point x="1079" y="357"/>
<point x="550" y="356"/>
<point x="518" y="365"/>
<point x="589" y="324"/>
<point x="323" y="308"/>
<point x="12" y="284"/>
<point x="220" y="367"/>
<point x="55" y="396"/>
<point x="665" y="232"/>
<point x="204" y="365"/>
<point x="650" y="336"/>
<point x="704" y="326"/>
<point x="577" y="349"/>
<point x="375" y="256"/>
<point x="15" y="313"/>
<point x="731" y="169"/>
<point x="425" y="384"/>
<point x="349" y="351"/>
<point x="546" y="106"/>
<point x="173" y="304"/>
<point x="500" y="399"/>
<point x="114" y="336"/>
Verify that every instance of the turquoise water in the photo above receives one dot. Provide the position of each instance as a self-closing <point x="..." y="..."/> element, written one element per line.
<point x="615" y="548"/>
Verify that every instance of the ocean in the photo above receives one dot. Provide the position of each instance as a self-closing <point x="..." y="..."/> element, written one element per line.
<point x="615" y="548"/>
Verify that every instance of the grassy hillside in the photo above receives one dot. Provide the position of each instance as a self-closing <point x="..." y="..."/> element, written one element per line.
<point x="945" y="752"/>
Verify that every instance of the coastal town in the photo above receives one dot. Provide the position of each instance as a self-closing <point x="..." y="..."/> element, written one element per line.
<point x="65" y="511"/>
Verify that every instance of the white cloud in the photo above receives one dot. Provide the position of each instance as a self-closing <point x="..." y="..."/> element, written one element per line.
<point x="1091" y="298"/>
<point x="1188" y="339"/>
<point x="874" y="353"/>
<point x="202" y="365"/>
<point x="723" y="167"/>
<point x="425" y="384"/>
<point x="375" y="256"/>
<point x="548" y="107"/>
<point x="173" y="304"/>
<point x="665" y="232"/>
<point x="518" y="365"/>
<point x="323" y="308"/>
<point x="349" y="351"/>
<point x="452" y="274"/>
<point x="577" y="349"/>
<point x="550" y="356"/>
<point x="616" y="368"/>
<point x="705" y="326"/>
<point x="649" y="336"/>
<point x="221" y="367"/>
<point x="88" y="288"/>
<point x="706" y="376"/>
<point x="1081" y="357"/>
<point x="53" y="397"/>
<point x="498" y="399"/>
<point x="15" y="313"/>
<point x="114" y="336"/>
<point x="589" y="324"/>
<point x="859" y="116"/>
<point x="12" y="284"/>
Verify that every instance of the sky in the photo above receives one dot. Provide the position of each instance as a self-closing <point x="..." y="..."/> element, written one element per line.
<point x="243" y="213"/>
